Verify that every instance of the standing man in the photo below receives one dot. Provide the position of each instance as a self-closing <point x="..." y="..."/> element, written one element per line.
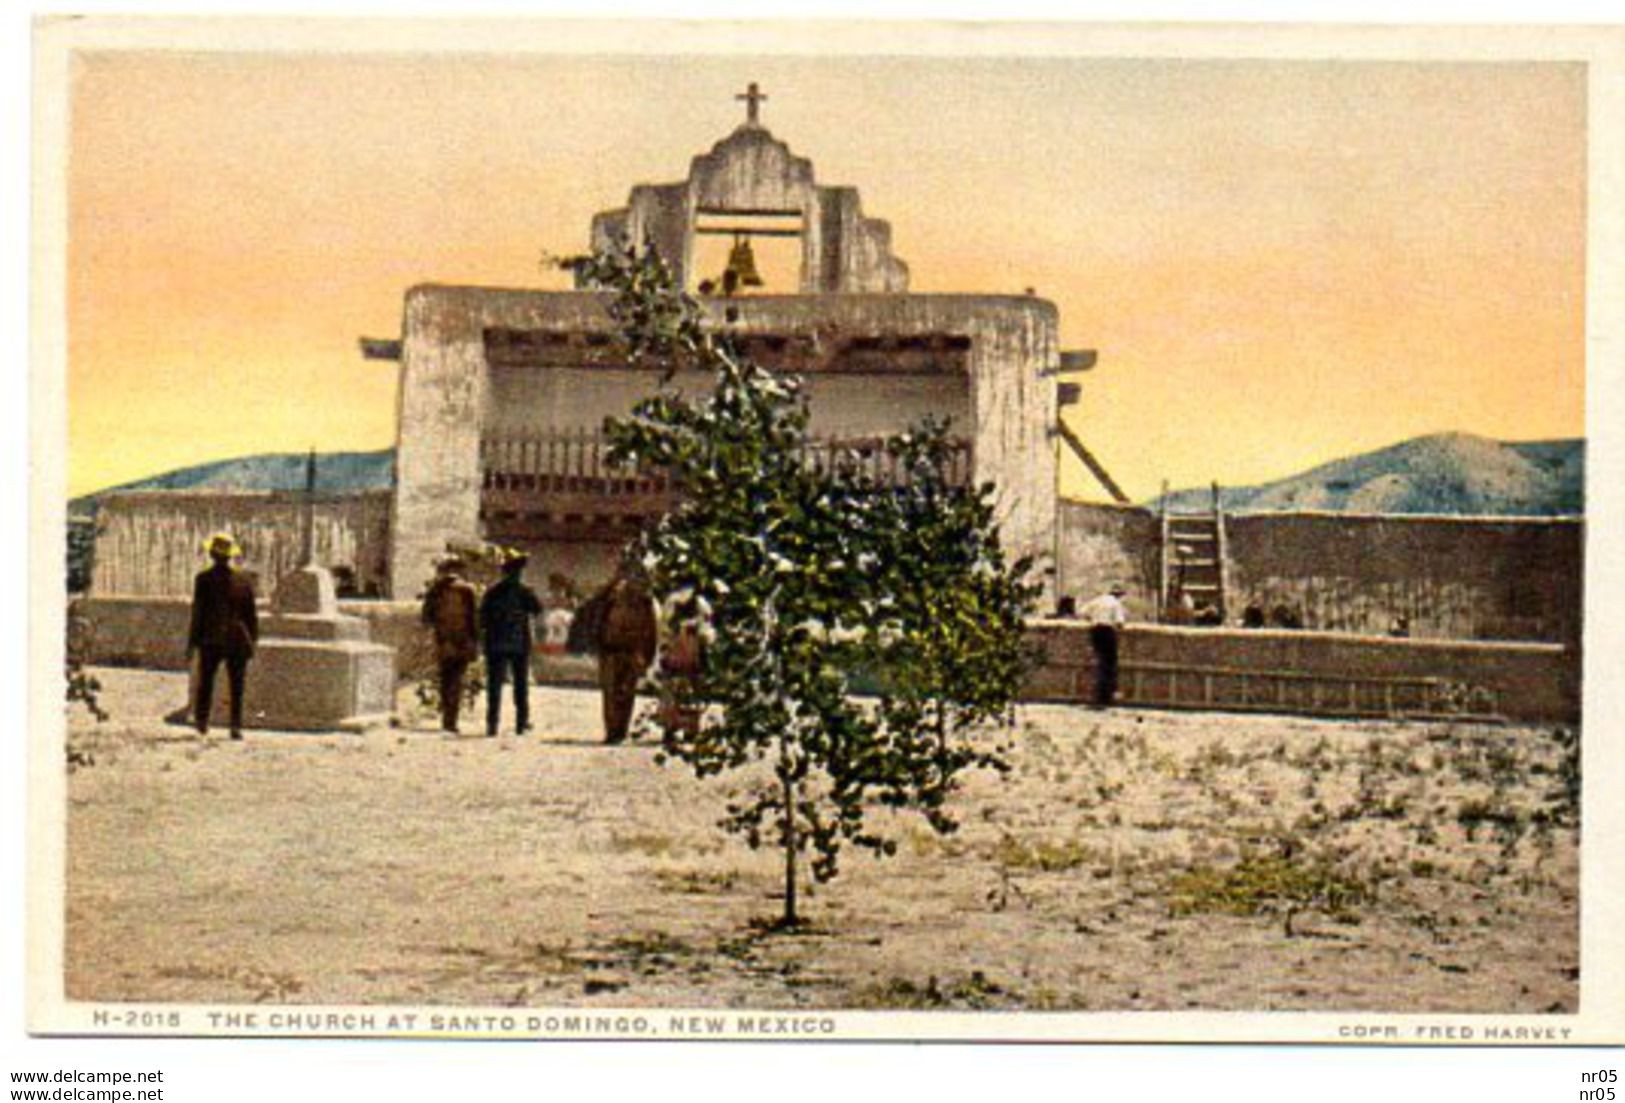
<point x="448" y="610"/>
<point x="626" y="647"/>
<point x="225" y="627"/>
<point x="505" y="616"/>
<point x="1106" y="617"/>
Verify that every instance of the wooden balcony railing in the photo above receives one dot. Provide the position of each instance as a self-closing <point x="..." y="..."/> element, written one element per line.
<point x="574" y="463"/>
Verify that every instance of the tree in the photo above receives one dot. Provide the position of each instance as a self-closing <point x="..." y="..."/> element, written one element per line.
<point x="804" y="579"/>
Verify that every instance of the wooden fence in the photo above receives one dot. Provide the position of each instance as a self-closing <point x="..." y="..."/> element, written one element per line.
<point x="575" y="461"/>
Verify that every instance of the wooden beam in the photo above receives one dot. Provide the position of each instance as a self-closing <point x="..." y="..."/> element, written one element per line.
<point x="1091" y="463"/>
<point x="380" y="348"/>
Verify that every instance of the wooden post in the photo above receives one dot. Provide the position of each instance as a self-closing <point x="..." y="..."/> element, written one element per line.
<point x="1221" y="552"/>
<point x="1162" y="551"/>
<point x="307" y="515"/>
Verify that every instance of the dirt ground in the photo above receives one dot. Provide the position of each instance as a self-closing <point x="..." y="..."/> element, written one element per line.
<point x="1130" y="860"/>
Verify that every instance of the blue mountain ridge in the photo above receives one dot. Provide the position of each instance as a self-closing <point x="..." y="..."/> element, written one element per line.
<point x="336" y="472"/>
<point x="1443" y="473"/>
<point x="1448" y="473"/>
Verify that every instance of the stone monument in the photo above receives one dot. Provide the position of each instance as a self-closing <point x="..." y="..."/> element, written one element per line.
<point x="314" y="669"/>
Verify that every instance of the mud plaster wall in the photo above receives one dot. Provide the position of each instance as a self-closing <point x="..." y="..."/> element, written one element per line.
<point x="842" y="250"/>
<point x="1104" y="544"/>
<point x="1455" y="578"/>
<point x="150" y="633"/>
<point x="1532" y="682"/>
<point x="446" y="390"/>
<point x="549" y="399"/>
<point x="151" y="542"/>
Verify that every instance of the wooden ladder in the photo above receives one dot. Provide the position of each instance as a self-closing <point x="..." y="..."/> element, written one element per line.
<point x="1194" y="560"/>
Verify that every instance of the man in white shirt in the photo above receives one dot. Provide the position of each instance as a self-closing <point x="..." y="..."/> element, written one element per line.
<point x="1105" y="616"/>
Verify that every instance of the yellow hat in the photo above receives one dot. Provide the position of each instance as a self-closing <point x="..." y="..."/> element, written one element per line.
<point x="221" y="543"/>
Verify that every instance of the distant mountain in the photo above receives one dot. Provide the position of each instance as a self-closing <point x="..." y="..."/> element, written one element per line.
<point x="335" y="472"/>
<point x="1451" y="473"/>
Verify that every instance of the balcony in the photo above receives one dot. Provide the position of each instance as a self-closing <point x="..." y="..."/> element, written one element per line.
<point x="560" y="486"/>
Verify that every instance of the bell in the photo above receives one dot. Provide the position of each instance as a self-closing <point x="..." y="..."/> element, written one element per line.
<point x="742" y="263"/>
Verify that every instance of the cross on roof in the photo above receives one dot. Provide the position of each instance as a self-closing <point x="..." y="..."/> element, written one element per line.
<point x="753" y="99"/>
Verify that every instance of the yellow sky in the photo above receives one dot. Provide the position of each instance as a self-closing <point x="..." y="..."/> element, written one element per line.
<point x="1279" y="262"/>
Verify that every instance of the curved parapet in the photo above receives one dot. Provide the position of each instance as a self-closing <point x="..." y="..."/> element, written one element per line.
<point x="751" y="175"/>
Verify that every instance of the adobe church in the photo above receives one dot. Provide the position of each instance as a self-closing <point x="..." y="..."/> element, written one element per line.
<point x="503" y="392"/>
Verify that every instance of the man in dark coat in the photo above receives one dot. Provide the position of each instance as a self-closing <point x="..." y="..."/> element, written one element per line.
<point x="506" y="612"/>
<point x="225" y="627"/>
<point x="1106" y="617"/>
<point x="448" y="610"/>
<point x="626" y="647"/>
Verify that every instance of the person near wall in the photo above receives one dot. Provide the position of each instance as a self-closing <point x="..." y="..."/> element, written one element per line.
<point x="449" y="611"/>
<point x="556" y="625"/>
<point x="1106" y="617"/>
<point x="682" y="656"/>
<point x="505" y="618"/>
<point x="1286" y="616"/>
<point x="225" y="628"/>
<point x="627" y="637"/>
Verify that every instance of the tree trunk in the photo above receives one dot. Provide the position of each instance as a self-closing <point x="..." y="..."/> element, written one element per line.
<point x="789" y="851"/>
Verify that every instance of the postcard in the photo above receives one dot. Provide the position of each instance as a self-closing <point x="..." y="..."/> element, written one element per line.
<point x="824" y="531"/>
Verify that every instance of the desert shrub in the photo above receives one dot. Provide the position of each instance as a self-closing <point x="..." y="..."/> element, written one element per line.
<point x="808" y="583"/>
<point x="82" y="686"/>
<point x="1269" y="884"/>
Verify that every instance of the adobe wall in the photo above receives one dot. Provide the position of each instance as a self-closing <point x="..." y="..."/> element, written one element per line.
<point x="1453" y="577"/>
<point x="843" y="251"/>
<point x="149" y="633"/>
<point x="151" y="543"/>
<point x="1529" y="682"/>
<point x="1099" y="545"/>
<point x="552" y="399"/>
<point x="446" y="395"/>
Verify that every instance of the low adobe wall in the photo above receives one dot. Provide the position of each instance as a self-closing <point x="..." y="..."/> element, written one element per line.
<point x="149" y="543"/>
<point x="1534" y="682"/>
<point x="147" y="632"/>
<point x="150" y="633"/>
<point x="1530" y="681"/>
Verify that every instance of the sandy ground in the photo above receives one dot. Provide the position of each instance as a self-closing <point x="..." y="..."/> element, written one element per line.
<point x="1129" y="861"/>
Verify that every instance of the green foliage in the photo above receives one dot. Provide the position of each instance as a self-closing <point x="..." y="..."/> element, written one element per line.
<point x="1044" y="856"/>
<point x="81" y="553"/>
<point x="1263" y="883"/>
<point x="975" y="992"/>
<point x="427" y="686"/>
<point x="1562" y="803"/>
<point x="803" y="583"/>
<point x="82" y="686"/>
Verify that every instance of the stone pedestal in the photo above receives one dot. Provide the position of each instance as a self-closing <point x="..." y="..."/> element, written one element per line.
<point x="315" y="669"/>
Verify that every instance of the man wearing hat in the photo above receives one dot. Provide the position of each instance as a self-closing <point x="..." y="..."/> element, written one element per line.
<point x="225" y="627"/>
<point x="448" y="610"/>
<point x="1106" y="617"/>
<point x="505" y="615"/>
<point x="627" y="639"/>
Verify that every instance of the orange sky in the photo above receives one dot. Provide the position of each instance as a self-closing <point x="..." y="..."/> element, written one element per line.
<point x="1279" y="262"/>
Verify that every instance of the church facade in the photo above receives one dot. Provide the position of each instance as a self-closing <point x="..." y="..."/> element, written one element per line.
<point x="503" y="392"/>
